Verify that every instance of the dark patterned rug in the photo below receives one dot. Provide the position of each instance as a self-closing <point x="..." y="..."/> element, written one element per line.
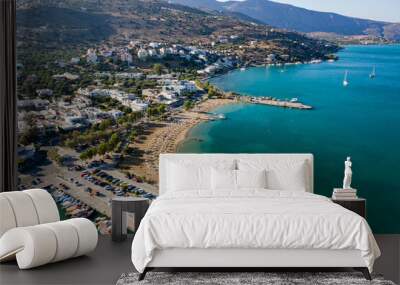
<point x="244" y="278"/>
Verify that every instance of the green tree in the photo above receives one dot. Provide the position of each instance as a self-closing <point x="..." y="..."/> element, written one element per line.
<point x="105" y="124"/>
<point x="113" y="142"/>
<point x="29" y="136"/>
<point x="187" y="105"/>
<point x="84" y="155"/>
<point x="161" y="108"/>
<point x="199" y="83"/>
<point x="70" y="143"/>
<point x="102" y="148"/>
<point x="157" y="68"/>
<point x="91" y="152"/>
<point x="212" y="92"/>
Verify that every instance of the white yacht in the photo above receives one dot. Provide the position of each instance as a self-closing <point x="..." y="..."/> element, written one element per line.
<point x="345" y="81"/>
<point x="373" y="73"/>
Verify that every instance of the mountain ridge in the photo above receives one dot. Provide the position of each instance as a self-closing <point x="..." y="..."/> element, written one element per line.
<point x="291" y="17"/>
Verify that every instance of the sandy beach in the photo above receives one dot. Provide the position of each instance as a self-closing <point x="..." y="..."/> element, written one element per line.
<point x="165" y="137"/>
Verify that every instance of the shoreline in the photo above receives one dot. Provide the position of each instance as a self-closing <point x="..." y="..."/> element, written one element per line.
<point x="269" y="65"/>
<point x="167" y="136"/>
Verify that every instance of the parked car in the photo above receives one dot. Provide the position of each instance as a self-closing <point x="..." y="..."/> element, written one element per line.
<point x="149" y="196"/>
<point x="131" y="187"/>
<point x="78" y="168"/>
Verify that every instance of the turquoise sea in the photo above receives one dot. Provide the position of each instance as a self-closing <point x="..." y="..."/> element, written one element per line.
<point x="361" y="120"/>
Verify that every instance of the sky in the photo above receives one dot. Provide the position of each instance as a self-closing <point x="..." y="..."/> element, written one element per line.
<point x="384" y="10"/>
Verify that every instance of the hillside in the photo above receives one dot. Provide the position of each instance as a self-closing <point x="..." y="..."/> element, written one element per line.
<point x="294" y="18"/>
<point x="50" y="23"/>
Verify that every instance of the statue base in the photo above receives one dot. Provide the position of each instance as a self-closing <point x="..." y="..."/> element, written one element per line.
<point x="344" y="190"/>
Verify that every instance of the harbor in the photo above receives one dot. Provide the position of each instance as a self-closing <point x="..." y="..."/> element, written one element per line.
<point x="293" y="103"/>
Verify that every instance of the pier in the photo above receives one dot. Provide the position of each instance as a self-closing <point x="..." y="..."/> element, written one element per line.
<point x="276" y="103"/>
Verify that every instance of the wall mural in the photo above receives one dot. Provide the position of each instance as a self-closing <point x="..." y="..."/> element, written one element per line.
<point x="104" y="87"/>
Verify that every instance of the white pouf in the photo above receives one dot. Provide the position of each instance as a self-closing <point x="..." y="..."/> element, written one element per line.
<point x="31" y="232"/>
<point x="37" y="245"/>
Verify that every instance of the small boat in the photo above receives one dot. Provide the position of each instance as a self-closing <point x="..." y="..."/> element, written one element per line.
<point x="373" y="73"/>
<point x="242" y="68"/>
<point x="215" y="116"/>
<point x="345" y="81"/>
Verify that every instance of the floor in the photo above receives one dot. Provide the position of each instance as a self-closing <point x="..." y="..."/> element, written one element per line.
<point x="103" y="266"/>
<point x="110" y="260"/>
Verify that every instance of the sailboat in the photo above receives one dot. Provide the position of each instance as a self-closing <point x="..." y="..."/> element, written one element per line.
<point x="373" y="73"/>
<point x="345" y="81"/>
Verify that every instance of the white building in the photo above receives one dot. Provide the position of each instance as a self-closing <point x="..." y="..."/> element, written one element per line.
<point x="152" y="52"/>
<point x="142" y="54"/>
<point x="126" y="57"/>
<point x="179" y="87"/>
<point x="271" y="57"/>
<point x="133" y="44"/>
<point x="116" y="114"/>
<point x="168" y="94"/>
<point x="75" y="60"/>
<point x="163" y="51"/>
<point x="172" y="50"/>
<point x="37" y="104"/>
<point x="138" y="106"/>
<point x="126" y="99"/>
<point x="66" y="76"/>
<point x="91" y="56"/>
<point x="154" y="45"/>
<point x="203" y="57"/>
<point x="44" y="92"/>
<point x="129" y="75"/>
<point x="107" y="53"/>
<point x="211" y="69"/>
<point x="150" y="93"/>
<point x="95" y="92"/>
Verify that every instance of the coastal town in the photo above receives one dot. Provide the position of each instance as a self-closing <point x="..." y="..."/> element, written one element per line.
<point x="93" y="119"/>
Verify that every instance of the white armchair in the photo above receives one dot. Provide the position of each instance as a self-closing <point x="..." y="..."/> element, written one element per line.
<point x="31" y="230"/>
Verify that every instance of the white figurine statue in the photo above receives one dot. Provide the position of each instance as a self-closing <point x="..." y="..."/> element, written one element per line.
<point x="348" y="173"/>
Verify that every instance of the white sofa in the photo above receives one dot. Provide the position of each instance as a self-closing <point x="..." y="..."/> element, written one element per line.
<point x="31" y="231"/>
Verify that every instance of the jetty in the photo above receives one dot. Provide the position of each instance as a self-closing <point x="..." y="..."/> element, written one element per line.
<point x="276" y="102"/>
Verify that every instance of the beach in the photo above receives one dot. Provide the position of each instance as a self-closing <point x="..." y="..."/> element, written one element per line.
<point x="166" y="136"/>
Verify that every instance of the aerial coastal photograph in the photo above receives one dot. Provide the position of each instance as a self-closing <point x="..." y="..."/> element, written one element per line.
<point x="104" y="87"/>
<point x="209" y="142"/>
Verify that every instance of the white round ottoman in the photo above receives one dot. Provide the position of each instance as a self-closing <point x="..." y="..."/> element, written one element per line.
<point x="40" y="244"/>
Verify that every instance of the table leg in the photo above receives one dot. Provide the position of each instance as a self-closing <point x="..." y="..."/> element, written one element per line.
<point x="117" y="222"/>
<point x="140" y="211"/>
